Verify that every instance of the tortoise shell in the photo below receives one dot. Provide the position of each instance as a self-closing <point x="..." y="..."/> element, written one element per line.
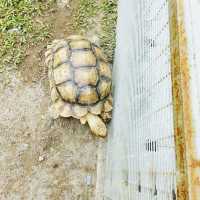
<point x="80" y="76"/>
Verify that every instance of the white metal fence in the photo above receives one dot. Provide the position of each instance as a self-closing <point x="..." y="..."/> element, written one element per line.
<point x="141" y="153"/>
<point x="153" y="149"/>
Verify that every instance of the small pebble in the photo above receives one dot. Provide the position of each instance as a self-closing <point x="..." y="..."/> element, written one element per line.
<point x="55" y="165"/>
<point x="88" y="180"/>
<point x="14" y="30"/>
<point x="41" y="158"/>
<point x="63" y="3"/>
<point x="23" y="147"/>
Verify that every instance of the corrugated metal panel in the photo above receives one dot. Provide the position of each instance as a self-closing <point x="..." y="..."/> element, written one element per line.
<point x="141" y="149"/>
<point x="154" y="148"/>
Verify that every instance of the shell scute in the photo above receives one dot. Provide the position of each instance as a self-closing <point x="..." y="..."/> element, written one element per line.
<point x="104" y="88"/>
<point x="86" y="76"/>
<point x="83" y="59"/>
<point x="54" y="94"/>
<point x="62" y="73"/>
<point x="99" y="53"/>
<point x="88" y="95"/>
<point x="75" y="37"/>
<point x="104" y="69"/>
<point x="97" y="108"/>
<point x="80" y="44"/>
<point x="79" y="111"/>
<point x="68" y="91"/>
<point x="61" y="56"/>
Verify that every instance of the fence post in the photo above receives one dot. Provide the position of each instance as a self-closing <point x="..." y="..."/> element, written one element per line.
<point x="187" y="178"/>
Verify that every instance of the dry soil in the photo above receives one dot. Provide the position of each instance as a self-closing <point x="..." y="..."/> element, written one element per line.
<point x="42" y="159"/>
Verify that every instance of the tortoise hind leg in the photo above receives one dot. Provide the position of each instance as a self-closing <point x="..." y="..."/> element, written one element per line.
<point x="96" y="125"/>
<point x="106" y="113"/>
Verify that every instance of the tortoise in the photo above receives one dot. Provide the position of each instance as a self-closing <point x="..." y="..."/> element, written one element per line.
<point x="80" y="80"/>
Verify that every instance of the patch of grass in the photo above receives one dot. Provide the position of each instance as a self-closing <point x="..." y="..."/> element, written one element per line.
<point x="88" y="11"/>
<point x="108" y="23"/>
<point x="84" y="14"/>
<point x="19" y="28"/>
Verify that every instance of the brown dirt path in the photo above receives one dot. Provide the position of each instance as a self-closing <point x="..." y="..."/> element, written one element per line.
<point x="41" y="159"/>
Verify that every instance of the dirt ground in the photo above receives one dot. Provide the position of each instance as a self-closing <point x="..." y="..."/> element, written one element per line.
<point x="42" y="159"/>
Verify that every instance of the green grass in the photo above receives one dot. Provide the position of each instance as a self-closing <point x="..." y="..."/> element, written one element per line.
<point x="108" y="35"/>
<point x="84" y="14"/>
<point x="19" y="29"/>
<point x="84" y="17"/>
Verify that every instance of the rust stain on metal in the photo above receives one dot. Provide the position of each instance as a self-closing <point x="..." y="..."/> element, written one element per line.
<point x="188" y="180"/>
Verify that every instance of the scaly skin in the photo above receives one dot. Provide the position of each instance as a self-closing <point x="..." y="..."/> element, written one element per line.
<point x="96" y="125"/>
